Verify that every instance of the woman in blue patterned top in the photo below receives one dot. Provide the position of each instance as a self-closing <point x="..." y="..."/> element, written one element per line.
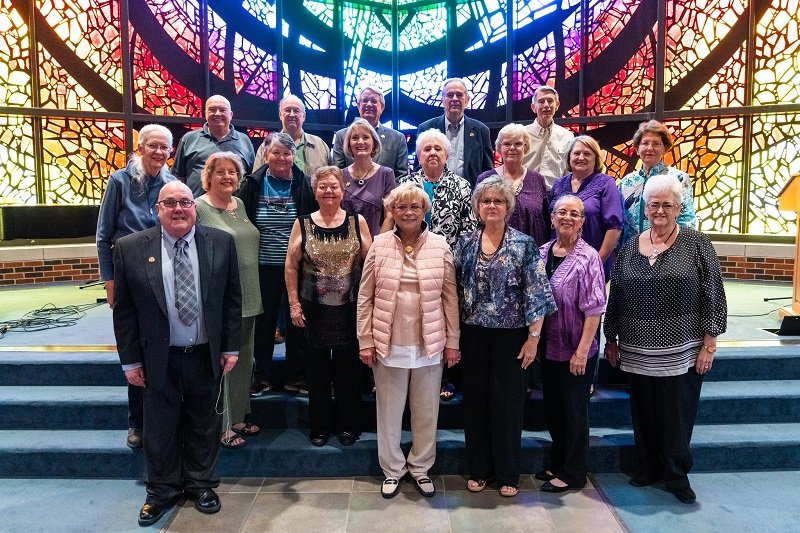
<point x="504" y="296"/>
<point x="652" y="140"/>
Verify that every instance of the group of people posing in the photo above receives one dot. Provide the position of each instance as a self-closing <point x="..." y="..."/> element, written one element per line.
<point x="455" y="265"/>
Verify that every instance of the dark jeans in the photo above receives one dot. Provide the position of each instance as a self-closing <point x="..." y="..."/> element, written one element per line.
<point x="341" y="366"/>
<point x="663" y="411"/>
<point x="494" y="398"/>
<point x="273" y="288"/>
<point x="181" y="429"/>
<point x="135" y="407"/>
<point x="566" y="409"/>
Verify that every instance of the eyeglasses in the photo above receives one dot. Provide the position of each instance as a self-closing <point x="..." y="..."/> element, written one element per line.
<point x="563" y="213"/>
<point x="651" y="144"/>
<point x="486" y="202"/>
<point x="222" y="172"/>
<point x="402" y="208"/>
<point x="655" y="206"/>
<point x="169" y="203"/>
<point x="158" y="147"/>
<point x="517" y="145"/>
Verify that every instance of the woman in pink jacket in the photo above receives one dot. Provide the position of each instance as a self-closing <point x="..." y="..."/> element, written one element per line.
<point x="407" y="330"/>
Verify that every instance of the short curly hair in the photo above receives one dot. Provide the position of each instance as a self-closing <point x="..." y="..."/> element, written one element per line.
<point x="653" y="126"/>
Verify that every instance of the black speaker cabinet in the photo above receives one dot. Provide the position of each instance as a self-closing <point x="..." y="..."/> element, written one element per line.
<point x="47" y="221"/>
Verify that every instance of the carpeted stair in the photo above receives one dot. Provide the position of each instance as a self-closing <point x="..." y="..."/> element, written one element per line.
<point x="63" y="414"/>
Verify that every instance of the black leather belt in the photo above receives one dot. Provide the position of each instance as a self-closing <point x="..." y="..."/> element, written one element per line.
<point x="189" y="349"/>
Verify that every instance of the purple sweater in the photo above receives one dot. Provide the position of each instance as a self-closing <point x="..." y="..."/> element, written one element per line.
<point x="579" y="290"/>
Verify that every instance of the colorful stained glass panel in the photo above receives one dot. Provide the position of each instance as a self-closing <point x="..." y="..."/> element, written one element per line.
<point x="15" y="65"/>
<point x="17" y="175"/>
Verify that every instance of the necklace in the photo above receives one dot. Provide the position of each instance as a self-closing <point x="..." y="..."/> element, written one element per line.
<point x="363" y="178"/>
<point x="516" y="182"/>
<point x="409" y="249"/>
<point x="484" y="256"/>
<point x="657" y="251"/>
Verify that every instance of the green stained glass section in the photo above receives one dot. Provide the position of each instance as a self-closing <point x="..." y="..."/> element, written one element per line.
<point x="422" y="26"/>
<point x="78" y="155"/>
<point x="15" y="64"/>
<point x="775" y="157"/>
<point x="322" y="10"/>
<point x="17" y="177"/>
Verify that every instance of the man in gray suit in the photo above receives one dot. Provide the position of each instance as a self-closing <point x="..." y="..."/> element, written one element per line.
<point x="394" y="149"/>
<point x="177" y="315"/>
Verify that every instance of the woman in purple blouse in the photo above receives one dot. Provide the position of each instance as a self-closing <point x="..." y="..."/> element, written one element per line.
<point x="576" y="277"/>
<point x="530" y="214"/>
<point x="601" y="199"/>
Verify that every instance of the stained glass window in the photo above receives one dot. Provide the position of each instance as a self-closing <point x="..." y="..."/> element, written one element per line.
<point x="599" y="54"/>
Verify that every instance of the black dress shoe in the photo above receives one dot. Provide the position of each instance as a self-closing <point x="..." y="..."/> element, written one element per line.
<point x="554" y="489"/>
<point x="685" y="495"/>
<point x="544" y="475"/>
<point x="347" y="438"/>
<point x="205" y="501"/>
<point x="319" y="439"/>
<point x="150" y="514"/>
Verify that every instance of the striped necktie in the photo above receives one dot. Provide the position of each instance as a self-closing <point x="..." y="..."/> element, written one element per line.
<point x="185" y="290"/>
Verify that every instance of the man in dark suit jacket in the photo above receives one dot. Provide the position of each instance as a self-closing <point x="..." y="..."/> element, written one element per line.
<point x="472" y="147"/>
<point x="394" y="148"/>
<point x="177" y="316"/>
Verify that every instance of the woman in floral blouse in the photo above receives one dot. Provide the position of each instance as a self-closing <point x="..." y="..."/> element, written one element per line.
<point x="504" y="296"/>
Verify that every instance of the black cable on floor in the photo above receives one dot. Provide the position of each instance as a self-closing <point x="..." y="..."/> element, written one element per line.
<point x="47" y="317"/>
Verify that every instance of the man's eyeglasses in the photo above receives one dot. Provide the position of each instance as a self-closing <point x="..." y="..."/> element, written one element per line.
<point x="169" y="203"/>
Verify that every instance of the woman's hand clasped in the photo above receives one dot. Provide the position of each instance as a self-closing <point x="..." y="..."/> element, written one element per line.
<point x="451" y="357"/>
<point x="367" y="356"/>
<point x="296" y="315"/>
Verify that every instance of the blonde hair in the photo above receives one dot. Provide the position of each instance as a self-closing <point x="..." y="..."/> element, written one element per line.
<point x="407" y="192"/>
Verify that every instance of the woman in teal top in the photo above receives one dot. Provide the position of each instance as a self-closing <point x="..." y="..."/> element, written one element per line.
<point x="218" y="208"/>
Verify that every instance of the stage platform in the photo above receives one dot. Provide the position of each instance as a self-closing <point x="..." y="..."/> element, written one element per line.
<point x="63" y="421"/>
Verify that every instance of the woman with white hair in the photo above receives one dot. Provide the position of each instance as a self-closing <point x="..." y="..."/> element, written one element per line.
<point x="530" y="216"/>
<point x="451" y="213"/>
<point x="665" y="311"/>
<point x="128" y="206"/>
<point x="407" y="330"/>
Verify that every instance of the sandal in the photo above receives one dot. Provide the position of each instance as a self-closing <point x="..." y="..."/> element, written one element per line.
<point x="448" y="392"/>
<point x="233" y="442"/>
<point x="508" y="491"/>
<point x="476" y="485"/>
<point x="247" y="430"/>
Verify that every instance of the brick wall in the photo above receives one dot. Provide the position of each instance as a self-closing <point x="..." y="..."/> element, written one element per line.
<point x="757" y="268"/>
<point x="48" y="271"/>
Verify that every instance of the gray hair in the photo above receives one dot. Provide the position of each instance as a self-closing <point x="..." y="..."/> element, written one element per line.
<point x="375" y="90"/>
<point x="662" y="183"/>
<point x="324" y="172"/>
<point x="448" y="81"/>
<point x="545" y="89"/>
<point x="511" y="130"/>
<point x="140" y="177"/>
<point x="211" y="166"/>
<point x="363" y="124"/>
<point x="434" y="135"/>
<point x="283" y="139"/>
<point x="497" y="185"/>
<point x="407" y="192"/>
<point x="292" y="97"/>
<point x="561" y="199"/>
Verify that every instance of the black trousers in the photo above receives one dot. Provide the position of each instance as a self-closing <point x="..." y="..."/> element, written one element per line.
<point x="182" y="428"/>
<point x="663" y="410"/>
<point x="341" y="366"/>
<point x="495" y="387"/>
<point x="135" y="407"/>
<point x="566" y="410"/>
<point x="273" y="288"/>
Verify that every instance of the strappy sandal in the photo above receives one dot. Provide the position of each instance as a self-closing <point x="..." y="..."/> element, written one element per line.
<point x="448" y="392"/>
<point x="247" y="430"/>
<point x="508" y="491"/>
<point x="233" y="442"/>
<point x="476" y="485"/>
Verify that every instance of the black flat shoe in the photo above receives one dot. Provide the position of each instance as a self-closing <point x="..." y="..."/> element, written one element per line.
<point x="544" y="475"/>
<point x="150" y="514"/>
<point x="205" y="501"/>
<point x="685" y="495"/>
<point x="347" y="438"/>
<point x="319" y="439"/>
<point x="553" y="489"/>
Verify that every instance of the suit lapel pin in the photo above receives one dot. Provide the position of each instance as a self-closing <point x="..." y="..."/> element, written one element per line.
<point x="472" y="134"/>
<point x="383" y="136"/>
<point x="151" y="259"/>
